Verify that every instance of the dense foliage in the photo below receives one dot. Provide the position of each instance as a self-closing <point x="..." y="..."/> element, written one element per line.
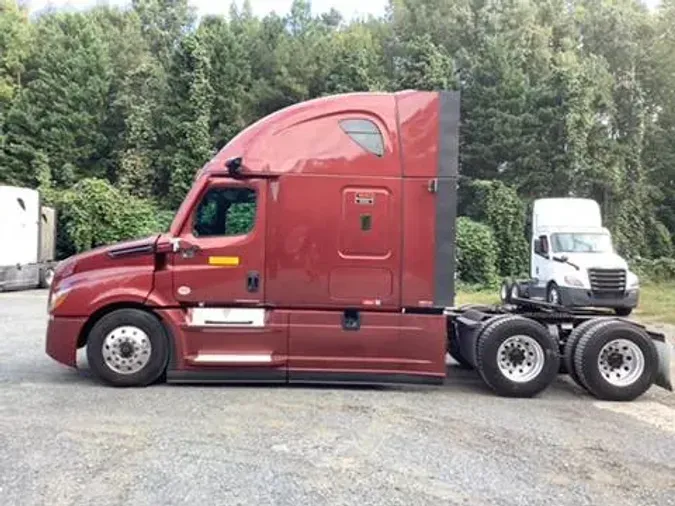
<point x="476" y="252"/>
<point x="498" y="206"/>
<point x="655" y="270"/>
<point x="560" y="98"/>
<point x="93" y="212"/>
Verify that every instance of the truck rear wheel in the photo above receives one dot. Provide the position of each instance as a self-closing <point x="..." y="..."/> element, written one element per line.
<point x="517" y="357"/>
<point x="616" y="361"/>
<point x="128" y="347"/>
<point x="571" y="345"/>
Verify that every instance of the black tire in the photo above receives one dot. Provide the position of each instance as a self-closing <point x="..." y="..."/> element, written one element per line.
<point x="46" y="277"/>
<point x="496" y="333"/>
<point x="588" y="351"/>
<point x="514" y="291"/>
<point x="550" y="289"/>
<point x="623" y="311"/>
<point x="571" y="345"/>
<point x="505" y="292"/>
<point x="144" y="321"/>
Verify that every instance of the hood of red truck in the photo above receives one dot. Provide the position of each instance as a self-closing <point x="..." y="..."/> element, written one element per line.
<point x="122" y="254"/>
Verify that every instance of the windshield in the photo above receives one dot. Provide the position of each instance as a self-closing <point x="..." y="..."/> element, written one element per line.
<point x="581" y="243"/>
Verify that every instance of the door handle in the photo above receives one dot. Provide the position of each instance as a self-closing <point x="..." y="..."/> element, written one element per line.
<point x="252" y="281"/>
<point x="189" y="250"/>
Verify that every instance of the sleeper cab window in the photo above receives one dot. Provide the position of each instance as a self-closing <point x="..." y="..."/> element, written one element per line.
<point x="225" y="211"/>
<point x="365" y="133"/>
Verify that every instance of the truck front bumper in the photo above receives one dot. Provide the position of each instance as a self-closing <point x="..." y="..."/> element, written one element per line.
<point x="61" y="342"/>
<point x="582" y="297"/>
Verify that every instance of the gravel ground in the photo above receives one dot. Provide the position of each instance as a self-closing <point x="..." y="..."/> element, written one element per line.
<point x="66" y="440"/>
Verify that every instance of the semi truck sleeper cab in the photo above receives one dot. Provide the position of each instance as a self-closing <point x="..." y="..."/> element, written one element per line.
<point x="319" y="246"/>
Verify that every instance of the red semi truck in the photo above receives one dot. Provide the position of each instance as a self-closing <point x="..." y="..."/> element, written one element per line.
<point x="319" y="246"/>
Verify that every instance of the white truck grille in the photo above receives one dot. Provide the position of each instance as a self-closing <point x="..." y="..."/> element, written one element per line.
<point x="607" y="281"/>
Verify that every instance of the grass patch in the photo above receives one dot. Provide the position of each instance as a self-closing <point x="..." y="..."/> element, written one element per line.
<point x="477" y="296"/>
<point x="657" y="301"/>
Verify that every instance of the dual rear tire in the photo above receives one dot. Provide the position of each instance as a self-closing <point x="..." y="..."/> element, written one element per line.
<point x="611" y="359"/>
<point x="516" y="357"/>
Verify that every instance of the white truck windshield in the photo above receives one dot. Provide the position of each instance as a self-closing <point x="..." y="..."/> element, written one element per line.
<point x="581" y="243"/>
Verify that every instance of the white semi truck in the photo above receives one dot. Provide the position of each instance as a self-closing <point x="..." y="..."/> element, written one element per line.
<point x="572" y="260"/>
<point x="27" y="239"/>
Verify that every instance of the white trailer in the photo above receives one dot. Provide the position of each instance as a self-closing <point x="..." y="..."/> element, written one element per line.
<point x="572" y="260"/>
<point x="27" y="239"/>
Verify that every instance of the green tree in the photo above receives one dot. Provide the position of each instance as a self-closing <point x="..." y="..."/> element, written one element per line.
<point x="230" y="78"/>
<point x="476" y="252"/>
<point x="62" y="106"/>
<point x="15" y="46"/>
<point x="188" y="115"/>
<point x="94" y="213"/>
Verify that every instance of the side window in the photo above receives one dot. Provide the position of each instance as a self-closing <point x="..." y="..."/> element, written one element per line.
<point x="365" y="133"/>
<point x="225" y="212"/>
<point x="541" y="246"/>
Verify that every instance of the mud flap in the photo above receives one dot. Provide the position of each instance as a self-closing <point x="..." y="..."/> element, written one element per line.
<point x="664" y="351"/>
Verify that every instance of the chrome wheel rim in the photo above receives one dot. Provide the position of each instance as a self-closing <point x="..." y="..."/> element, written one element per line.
<point x="126" y="349"/>
<point x="520" y="358"/>
<point x="621" y="362"/>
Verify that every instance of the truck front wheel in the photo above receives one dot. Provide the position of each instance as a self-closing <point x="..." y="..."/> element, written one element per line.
<point x="517" y="357"/>
<point x="553" y="294"/>
<point x="616" y="361"/>
<point x="46" y="277"/>
<point x="128" y="347"/>
<point x="623" y="311"/>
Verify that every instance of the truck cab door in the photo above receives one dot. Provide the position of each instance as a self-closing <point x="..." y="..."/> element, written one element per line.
<point x="219" y="257"/>
<point x="541" y="261"/>
<point x="218" y="266"/>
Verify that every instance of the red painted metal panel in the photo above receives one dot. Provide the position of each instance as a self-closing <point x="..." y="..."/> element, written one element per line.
<point x="347" y="283"/>
<point x="418" y="243"/>
<point x="419" y="122"/>
<point x="196" y="280"/>
<point x="385" y="343"/>
<point x="306" y="138"/>
<point x="61" y="341"/>
<point x="366" y="224"/>
<point x="424" y="337"/>
<point x="305" y="217"/>
<point x="93" y="289"/>
<point x="272" y="339"/>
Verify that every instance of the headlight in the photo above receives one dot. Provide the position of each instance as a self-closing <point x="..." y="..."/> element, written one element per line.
<point x="573" y="281"/>
<point x="633" y="281"/>
<point x="57" y="298"/>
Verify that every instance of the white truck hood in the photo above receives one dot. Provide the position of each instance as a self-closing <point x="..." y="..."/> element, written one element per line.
<point x="597" y="260"/>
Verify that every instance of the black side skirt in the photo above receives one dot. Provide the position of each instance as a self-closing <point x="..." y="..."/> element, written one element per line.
<point x="363" y="378"/>
<point x="232" y="375"/>
<point x="261" y="375"/>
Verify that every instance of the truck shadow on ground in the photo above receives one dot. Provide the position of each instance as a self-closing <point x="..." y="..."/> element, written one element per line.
<point x="458" y="380"/>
